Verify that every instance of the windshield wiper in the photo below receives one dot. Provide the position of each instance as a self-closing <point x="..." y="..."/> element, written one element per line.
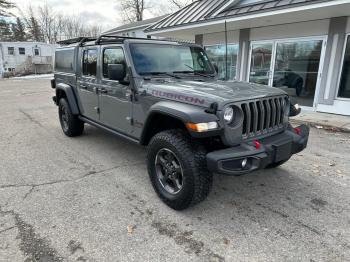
<point x="162" y="73"/>
<point x="195" y="72"/>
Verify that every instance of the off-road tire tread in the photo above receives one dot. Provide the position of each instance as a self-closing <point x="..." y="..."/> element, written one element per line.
<point x="195" y="156"/>
<point x="75" y="125"/>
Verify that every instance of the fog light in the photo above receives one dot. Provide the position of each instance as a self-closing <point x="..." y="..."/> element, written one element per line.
<point x="244" y="163"/>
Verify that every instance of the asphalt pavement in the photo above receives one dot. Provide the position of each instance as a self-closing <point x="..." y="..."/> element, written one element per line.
<point x="90" y="198"/>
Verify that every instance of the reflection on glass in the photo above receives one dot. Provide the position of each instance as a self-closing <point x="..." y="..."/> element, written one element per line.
<point x="260" y="63"/>
<point x="344" y="89"/>
<point x="296" y="69"/>
<point x="217" y="55"/>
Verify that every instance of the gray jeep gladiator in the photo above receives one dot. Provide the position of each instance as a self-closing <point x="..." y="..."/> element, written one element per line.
<point x="166" y="96"/>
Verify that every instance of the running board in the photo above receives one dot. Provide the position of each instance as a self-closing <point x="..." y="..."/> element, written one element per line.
<point x="110" y="130"/>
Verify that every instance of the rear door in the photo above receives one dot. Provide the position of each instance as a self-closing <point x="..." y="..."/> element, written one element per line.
<point x="87" y="84"/>
<point x="115" y="101"/>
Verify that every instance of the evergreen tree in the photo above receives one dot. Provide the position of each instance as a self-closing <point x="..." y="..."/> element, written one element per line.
<point x="5" y="31"/>
<point x="18" y="30"/>
<point x="34" y="29"/>
<point x="5" y="6"/>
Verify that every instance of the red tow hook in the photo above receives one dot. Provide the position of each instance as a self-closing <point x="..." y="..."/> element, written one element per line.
<point x="257" y="144"/>
<point x="297" y="130"/>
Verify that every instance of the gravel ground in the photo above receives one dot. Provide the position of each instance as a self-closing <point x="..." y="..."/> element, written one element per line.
<point x="90" y="199"/>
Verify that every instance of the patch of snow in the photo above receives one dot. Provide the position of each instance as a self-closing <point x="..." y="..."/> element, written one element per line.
<point x="31" y="77"/>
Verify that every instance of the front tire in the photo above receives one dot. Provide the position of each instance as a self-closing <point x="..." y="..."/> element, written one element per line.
<point x="177" y="169"/>
<point x="71" y="125"/>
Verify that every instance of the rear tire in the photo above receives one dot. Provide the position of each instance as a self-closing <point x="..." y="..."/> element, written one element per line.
<point x="71" y="125"/>
<point x="188" y="158"/>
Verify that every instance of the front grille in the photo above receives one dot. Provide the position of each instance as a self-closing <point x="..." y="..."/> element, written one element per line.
<point x="263" y="116"/>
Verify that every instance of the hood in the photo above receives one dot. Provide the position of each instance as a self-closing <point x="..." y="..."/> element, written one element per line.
<point x="205" y="93"/>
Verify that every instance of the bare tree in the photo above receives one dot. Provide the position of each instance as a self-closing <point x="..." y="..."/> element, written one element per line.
<point x="5" y="7"/>
<point x="133" y="10"/>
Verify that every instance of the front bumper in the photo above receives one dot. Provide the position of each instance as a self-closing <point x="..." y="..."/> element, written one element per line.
<point x="248" y="157"/>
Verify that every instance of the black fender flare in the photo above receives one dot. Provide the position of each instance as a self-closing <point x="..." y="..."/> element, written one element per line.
<point x="69" y="92"/>
<point x="185" y="113"/>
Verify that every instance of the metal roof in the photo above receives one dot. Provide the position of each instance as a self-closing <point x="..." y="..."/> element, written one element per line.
<point x="204" y="10"/>
<point x="133" y="25"/>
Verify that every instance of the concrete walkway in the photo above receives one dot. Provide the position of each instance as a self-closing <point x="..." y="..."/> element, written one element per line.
<point x="323" y="121"/>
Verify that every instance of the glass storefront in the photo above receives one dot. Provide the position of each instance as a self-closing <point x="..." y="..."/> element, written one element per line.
<point x="296" y="69"/>
<point x="217" y="54"/>
<point x="292" y="66"/>
<point x="260" y="64"/>
<point x="344" y="87"/>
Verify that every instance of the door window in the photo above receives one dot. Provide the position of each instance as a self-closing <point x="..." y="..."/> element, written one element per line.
<point x="112" y="56"/>
<point x="36" y="51"/>
<point x="260" y="63"/>
<point x="296" y="69"/>
<point x="344" y="88"/>
<point x="90" y="62"/>
<point x="217" y="54"/>
<point x="22" y="50"/>
<point x="11" y="50"/>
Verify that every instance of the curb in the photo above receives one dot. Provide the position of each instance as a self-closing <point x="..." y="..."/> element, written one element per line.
<point x="321" y="126"/>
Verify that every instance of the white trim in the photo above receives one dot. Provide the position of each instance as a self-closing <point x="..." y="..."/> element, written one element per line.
<point x="252" y="16"/>
<point x="331" y="66"/>
<point x="347" y="36"/>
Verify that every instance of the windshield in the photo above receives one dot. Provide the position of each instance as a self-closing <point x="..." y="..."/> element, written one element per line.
<point x="161" y="58"/>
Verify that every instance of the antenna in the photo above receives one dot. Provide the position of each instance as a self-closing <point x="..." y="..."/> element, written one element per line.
<point x="226" y="53"/>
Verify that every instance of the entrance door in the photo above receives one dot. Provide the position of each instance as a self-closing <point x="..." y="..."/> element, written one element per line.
<point x="261" y="63"/>
<point x="297" y="67"/>
<point x="115" y="103"/>
<point x="293" y="65"/>
<point x="87" y="85"/>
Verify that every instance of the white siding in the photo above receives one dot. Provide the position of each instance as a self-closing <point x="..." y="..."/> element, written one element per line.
<point x="219" y="38"/>
<point x="302" y="29"/>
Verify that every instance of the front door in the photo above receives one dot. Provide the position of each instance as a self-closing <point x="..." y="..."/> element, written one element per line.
<point x="115" y="102"/>
<point x="293" y="65"/>
<point x="87" y="85"/>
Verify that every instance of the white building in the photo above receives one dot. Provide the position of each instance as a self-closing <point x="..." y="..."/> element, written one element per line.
<point x="135" y="29"/>
<point x="301" y="46"/>
<point x="25" y="58"/>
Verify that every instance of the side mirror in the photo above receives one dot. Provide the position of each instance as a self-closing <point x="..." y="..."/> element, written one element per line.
<point x="116" y="72"/>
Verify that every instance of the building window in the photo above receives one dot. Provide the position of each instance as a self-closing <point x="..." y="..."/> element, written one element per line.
<point x="90" y="62"/>
<point x="21" y="50"/>
<point x="217" y="54"/>
<point x="112" y="56"/>
<point x="344" y="88"/>
<point x="11" y="50"/>
<point x="36" y="51"/>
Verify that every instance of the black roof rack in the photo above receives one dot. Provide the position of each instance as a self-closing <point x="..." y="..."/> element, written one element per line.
<point x="108" y="39"/>
<point x="80" y="40"/>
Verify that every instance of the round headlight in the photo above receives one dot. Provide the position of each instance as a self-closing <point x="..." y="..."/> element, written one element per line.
<point x="228" y="115"/>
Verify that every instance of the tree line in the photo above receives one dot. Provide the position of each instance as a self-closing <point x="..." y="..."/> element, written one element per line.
<point x="42" y="24"/>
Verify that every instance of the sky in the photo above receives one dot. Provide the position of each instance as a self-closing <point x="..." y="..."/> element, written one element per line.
<point x="104" y="12"/>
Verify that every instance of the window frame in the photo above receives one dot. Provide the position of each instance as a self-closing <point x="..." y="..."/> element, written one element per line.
<point x="13" y="50"/>
<point x="82" y="63"/>
<point x="347" y="36"/>
<point x="103" y="56"/>
<point x="21" y="48"/>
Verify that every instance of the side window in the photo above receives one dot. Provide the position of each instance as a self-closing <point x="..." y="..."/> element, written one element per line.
<point x="90" y="62"/>
<point x="112" y="56"/>
<point x="22" y="50"/>
<point x="11" y="50"/>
